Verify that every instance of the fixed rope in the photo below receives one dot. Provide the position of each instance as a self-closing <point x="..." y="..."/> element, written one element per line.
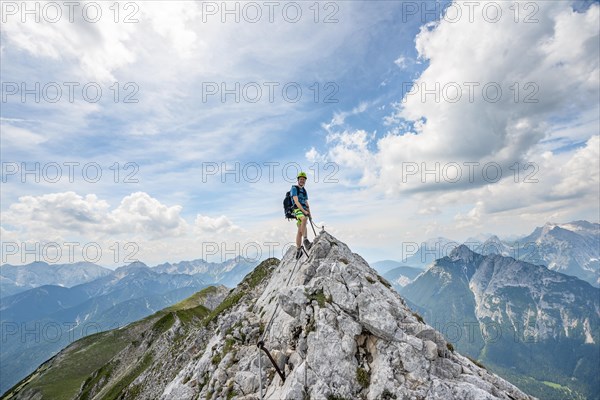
<point x="277" y="306"/>
<point x="261" y="343"/>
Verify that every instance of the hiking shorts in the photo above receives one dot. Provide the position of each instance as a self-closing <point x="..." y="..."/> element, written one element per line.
<point x="299" y="214"/>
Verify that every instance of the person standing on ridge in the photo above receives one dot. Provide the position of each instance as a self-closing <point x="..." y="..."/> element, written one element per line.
<point x="301" y="211"/>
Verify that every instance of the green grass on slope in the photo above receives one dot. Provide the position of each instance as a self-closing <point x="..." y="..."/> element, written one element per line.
<point x="117" y="388"/>
<point x="194" y="300"/>
<point x="62" y="376"/>
<point x="250" y="281"/>
<point x="63" y="380"/>
<point x="259" y="273"/>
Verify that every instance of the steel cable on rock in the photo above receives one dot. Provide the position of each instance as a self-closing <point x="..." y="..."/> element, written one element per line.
<point x="261" y="344"/>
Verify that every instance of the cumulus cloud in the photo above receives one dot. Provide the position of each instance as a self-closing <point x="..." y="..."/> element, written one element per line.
<point x="141" y="213"/>
<point x="500" y="55"/>
<point x="139" y="227"/>
<point x="59" y="212"/>
<point x="69" y="213"/>
<point x="561" y="187"/>
<point x="581" y="174"/>
<point x="432" y="210"/>
<point x="170" y="37"/>
<point x="470" y="220"/>
<point x="208" y="225"/>
<point x="71" y="39"/>
<point x="174" y="49"/>
<point x="350" y="151"/>
<point x="533" y="152"/>
<point x="492" y="95"/>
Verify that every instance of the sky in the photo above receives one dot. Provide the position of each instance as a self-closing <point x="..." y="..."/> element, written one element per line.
<point x="168" y="131"/>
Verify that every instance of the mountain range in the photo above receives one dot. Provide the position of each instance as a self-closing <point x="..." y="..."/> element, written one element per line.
<point x="535" y="326"/>
<point x="19" y="278"/>
<point x="500" y="302"/>
<point x="326" y="326"/>
<point x="228" y="273"/>
<point x="571" y="248"/>
<point x="38" y="322"/>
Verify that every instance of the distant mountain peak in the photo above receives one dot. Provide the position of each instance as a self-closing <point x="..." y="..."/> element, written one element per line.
<point x="585" y="224"/>
<point x="137" y="264"/>
<point x="493" y="238"/>
<point x="463" y="253"/>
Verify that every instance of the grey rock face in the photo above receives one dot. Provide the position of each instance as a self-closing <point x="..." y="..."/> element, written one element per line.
<point x="335" y="328"/>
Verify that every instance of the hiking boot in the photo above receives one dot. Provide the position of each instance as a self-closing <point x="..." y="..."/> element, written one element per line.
<point x="307" y="244"/>
<point x="299" y="252"/>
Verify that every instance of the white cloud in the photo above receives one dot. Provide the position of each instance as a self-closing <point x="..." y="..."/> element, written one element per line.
<point x="96" y="48"/>
<point x="538" y="59"/>
<point x="506" y="130"/>
<point x="41" y="217"/>
<point x="313" y="156"/>
<point x="142" y="214"/>
<point x="401" y="62"/>
<point x="581" y="174"/>
<point x="140" y="227"/>
<point x="8" y="235"/>
<point x="169" y="54"/>
<point x="56" y="213"/>
<point x="472" y="219"/>
<point x="561" y="187"/>
<point x="432" y="210"/>
<point x="209" y="226"/>
<point x="180" y="42"/>
<point x="350" y="151"/>
<point x="19" y="137"/>
<point x="339" y="118"/>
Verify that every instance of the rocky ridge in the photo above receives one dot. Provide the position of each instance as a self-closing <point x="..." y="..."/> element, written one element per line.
<point x="337" y="331"/>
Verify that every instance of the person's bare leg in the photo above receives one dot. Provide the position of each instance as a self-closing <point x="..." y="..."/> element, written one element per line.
<point x="304" y="228"/>
<point x="299" y="234"/>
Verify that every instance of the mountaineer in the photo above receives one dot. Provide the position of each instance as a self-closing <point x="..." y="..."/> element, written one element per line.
<point x="301" y="211"/>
